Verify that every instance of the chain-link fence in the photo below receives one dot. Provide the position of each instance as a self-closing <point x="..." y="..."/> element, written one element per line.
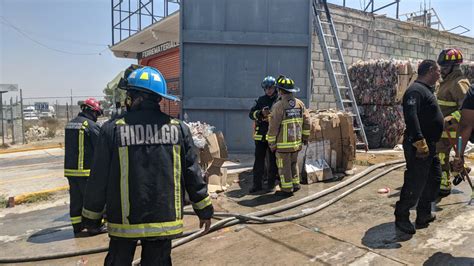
<point x="11" y="128"/>
<point x="28" y="119"/>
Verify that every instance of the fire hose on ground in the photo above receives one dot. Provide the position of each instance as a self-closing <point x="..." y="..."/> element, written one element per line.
<point x="235" y="218"/>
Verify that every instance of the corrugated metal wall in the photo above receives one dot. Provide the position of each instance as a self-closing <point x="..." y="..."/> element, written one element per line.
<point x="228" y="47"/>
<point x="168" y="64"/>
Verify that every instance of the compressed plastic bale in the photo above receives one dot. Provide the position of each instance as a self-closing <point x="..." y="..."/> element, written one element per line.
<point x="389" y="119"/>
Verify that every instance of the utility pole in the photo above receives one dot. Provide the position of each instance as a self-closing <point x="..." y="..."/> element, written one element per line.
<point x="12" y="119"/>
<point x="1" y="117"/>
<point x="22" y="117"/>
<point x="72" y="109"/>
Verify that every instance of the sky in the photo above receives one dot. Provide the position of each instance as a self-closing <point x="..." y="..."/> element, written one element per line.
<point x="51" y="47"/>
<point x="451" y="12"/>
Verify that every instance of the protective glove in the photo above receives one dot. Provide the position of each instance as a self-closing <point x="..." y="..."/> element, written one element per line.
<point x="265" y="111"/>
<point x="422" y="150"/>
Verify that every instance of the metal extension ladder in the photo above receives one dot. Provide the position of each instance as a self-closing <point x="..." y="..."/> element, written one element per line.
<point x="334" y="60"/>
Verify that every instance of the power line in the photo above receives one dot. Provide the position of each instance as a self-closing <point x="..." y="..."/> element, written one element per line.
<point x="5" y="22"/>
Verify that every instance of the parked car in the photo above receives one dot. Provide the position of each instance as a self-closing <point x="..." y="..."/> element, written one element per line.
<point x="29" y="113"/>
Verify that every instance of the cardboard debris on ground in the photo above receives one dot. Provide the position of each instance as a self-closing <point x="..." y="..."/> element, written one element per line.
<point x="212" y="155"/>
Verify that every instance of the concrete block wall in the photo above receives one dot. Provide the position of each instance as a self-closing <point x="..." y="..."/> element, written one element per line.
<point x="363" y="36"/>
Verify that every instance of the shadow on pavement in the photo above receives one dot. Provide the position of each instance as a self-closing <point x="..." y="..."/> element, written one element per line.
<point x="261" y="200"/>
<point x="441" y="259"/>
<point x="244" y="183"/>
<point x="52" y="234"/>
<point x="384" y="236"/>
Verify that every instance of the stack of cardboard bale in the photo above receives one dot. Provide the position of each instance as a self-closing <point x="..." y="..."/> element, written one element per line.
<point x="212" y="152"/>
<point x="379" y="86"/>
<point x="331" y="145"/>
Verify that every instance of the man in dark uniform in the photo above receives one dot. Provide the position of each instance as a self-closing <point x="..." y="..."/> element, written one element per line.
<point x="259" y="113"/>
<point x="81" y="135"/>
<point x="145" y="161"/>
<point x="424" y="126"/>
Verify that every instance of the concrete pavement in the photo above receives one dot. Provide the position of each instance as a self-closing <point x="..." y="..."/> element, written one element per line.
<point x="31" y="171"/>
<point x="357" y="230"/>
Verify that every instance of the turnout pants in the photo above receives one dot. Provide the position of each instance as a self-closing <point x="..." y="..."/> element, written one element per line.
<point x="421" y="183"/>
<point x="443" y="148"/>
<point x="154" y="252"/>
<point x="288" y="170"/>
<point x="77" y="187"/>
<point x="261" y="149"/>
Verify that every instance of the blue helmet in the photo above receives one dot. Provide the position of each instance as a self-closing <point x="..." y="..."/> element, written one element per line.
<point x="150" y="80"/>
<point x="268" y="82"/>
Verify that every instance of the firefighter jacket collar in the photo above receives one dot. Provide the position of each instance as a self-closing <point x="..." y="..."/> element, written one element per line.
<point x="88" y="116"/>
<point x="455" y="74"/>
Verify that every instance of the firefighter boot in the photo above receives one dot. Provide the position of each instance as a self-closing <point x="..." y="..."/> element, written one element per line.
<point x="255" y="189"/>
<point x="423" y="221"/>
<point x="405" y="226"/>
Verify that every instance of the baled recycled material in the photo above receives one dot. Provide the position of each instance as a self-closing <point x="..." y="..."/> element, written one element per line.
<point x="389" y="120"/>
<point x="288" y="124"/>
<point x="381" y="82"/>
<point x="81" y="134"/>
<point x="468" y="70"/>
<point x="145" y="162"/>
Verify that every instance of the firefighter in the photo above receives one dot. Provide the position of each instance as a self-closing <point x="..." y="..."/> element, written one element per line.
<point x="288" y="128"/>
<point x="146" y="161"/>
<point x="424" y="125"/>
<point x="81" y="135"/>
<point x="450" y="95"/>
<point x="259" y="113"/>
<point x="466" y="127"/>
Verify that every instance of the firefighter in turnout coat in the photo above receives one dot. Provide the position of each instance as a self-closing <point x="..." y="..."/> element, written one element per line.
<point x="450" y="94"/>
<point x="146" y="162"/>
<point x="259" y="113"/>
<point x="81" y="135"/>
<point x="288" y="128"/>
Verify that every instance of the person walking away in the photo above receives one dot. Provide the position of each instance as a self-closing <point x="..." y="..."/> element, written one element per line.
<point x="147" y="161"/>
<point x="81" y="134"/>
<point x="450" y="94"/>
<point x="259" y="113"/>
<point x="424" y="125"/>
<point x="288" y="129"/>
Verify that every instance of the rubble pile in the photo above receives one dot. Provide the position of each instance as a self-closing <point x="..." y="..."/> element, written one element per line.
<point x="37" y="133"/>
<point x="468" y="69"/>
<point x="379" y="86"/>
<point x="200" y="132"/>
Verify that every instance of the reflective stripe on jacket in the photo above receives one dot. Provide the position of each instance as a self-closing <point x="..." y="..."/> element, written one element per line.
<point x="289" y="124"/>
<point x="147" y="161"/>
<point x="81" y="133"/>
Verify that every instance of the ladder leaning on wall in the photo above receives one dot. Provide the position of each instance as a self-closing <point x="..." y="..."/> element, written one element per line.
<point x="336" y="67"/>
